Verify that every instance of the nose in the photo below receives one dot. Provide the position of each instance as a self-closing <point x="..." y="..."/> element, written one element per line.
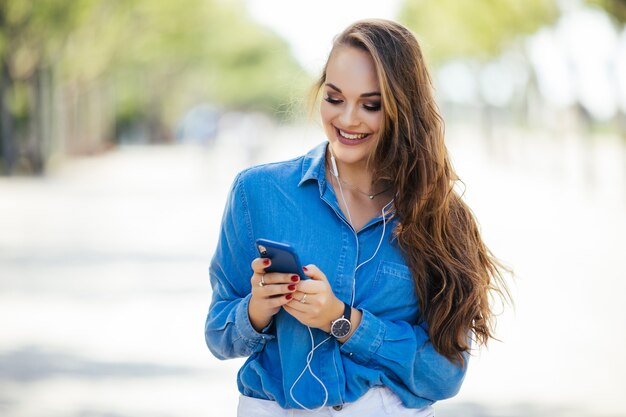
<point x="348" y="116"/>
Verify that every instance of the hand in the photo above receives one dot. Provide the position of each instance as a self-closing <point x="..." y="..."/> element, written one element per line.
<point x="267" y="300"/>
<point x="320" y="306"/>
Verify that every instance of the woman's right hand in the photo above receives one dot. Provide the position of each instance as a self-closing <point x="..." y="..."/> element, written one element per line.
<point x="267" y="299"/>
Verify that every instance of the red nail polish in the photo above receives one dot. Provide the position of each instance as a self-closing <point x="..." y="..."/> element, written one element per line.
<point x="304" y="268"/>
<point x="266" y="262"/>
<point x="289" y="296"/>
<point x="295" y="278"/>
<point x="292" y="287"/>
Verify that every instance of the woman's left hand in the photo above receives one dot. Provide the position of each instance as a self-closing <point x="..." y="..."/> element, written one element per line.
<point x="314" y="304"/>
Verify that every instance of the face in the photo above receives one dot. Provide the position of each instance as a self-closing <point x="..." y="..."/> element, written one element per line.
<point x="351" y="107"/>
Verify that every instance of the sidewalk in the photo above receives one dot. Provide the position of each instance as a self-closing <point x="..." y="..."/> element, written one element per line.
<point x="104" y="288"/>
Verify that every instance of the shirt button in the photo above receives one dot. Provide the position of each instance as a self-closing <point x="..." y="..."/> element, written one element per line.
<point x="338" y="407"/>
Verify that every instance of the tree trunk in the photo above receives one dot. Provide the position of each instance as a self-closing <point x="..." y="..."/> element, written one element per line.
<point x="35" y="148"/>
<point x="7" y="132"/>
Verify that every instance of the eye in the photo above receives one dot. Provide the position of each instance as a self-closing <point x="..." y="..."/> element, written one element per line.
<point x="332" y="100"/>
<point x="372" y="107"/>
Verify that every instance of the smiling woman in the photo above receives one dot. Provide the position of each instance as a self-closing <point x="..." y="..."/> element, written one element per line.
<point x="351" y="108"/>
<point x="397" y="275"/>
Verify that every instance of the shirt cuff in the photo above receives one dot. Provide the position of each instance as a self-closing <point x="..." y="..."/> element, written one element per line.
<point x="253" y="339"/>
<point x="366" y="339"/>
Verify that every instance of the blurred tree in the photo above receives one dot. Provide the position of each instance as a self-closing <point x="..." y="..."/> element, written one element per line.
<point x="76" y="75"/>
<point x="477" y="32"/>
<point x="470" y="29"/>
<point x="31" y="36"/>
<point x="616" y="8"/>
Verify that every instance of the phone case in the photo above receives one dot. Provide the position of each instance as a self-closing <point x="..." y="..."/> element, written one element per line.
<point x="284" y="257"/>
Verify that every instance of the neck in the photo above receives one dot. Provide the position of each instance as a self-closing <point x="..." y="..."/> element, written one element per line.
<point x="356" y="175"/>
<point x="357" y="180"/>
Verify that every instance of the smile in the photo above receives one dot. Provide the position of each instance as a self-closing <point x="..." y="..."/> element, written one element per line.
<point x="351" y="138"/>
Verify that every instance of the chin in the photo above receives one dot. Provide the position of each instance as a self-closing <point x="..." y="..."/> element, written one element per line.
<point x="352" y="154"/>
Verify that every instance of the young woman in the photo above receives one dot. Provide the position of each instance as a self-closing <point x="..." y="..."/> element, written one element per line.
<point x="399" y="277"/>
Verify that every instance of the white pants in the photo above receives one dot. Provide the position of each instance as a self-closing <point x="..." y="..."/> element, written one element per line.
<point x="376" y="402"/>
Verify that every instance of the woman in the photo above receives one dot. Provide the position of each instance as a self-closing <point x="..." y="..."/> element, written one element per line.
<point x="399" y="275"/>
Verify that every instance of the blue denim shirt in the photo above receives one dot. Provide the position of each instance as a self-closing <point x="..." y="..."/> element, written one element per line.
<point x="293" y="202"/>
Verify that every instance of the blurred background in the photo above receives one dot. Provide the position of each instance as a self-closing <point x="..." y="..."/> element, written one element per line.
<point x="123" y="123"/>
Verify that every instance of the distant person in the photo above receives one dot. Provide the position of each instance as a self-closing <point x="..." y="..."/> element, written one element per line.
<point x="199" y="126"/>
<point x="397" y="275"/>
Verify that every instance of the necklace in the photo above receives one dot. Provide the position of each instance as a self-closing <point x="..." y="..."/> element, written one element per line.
<point x="370" y="196"/>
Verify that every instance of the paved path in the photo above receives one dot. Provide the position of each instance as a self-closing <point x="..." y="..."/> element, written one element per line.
<point x="104" y="290"/>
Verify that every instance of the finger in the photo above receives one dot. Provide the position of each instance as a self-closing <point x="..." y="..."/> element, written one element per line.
<point x="312" y="287"/>
<point x="276" y="290"/>
<point x="314" y="272"/>
<point x="289" y="308"/>
<point x="264" y="285"/>
<point x="257" y="279"/>
<point x="297" y="304"/>
<point x="276" y="302"/>
<point x="259" y="264"/>
<point x="272" y="278"/>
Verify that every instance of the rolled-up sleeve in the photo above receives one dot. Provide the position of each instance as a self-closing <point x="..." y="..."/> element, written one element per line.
<point x="228" y="331"/>
<point x="406" y="356"/>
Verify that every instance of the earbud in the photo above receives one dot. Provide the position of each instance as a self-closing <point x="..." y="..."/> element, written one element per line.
<point x="335" y="170"/>
<point x="333" y="162"/>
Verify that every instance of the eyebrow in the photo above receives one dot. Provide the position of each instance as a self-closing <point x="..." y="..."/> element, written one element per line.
<point x="334" y="87"/>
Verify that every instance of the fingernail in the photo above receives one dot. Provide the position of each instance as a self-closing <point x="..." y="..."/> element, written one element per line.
<point x="305" y="269"/>
<point x="295" y="278"/>
<point x="292" y="287"/>
<point x="289" y="296"/>
<point x="266" y="262"/>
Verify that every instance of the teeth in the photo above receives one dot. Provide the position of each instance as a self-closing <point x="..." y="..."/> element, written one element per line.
<point x="353" y="137"/>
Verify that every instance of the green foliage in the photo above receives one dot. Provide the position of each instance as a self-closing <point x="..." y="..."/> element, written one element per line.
<point x="32" y="32"/>
<point x="616" y="8"/>
<point x="259" y="66"/>
<point x="157" y="56"/>
<point x="467" y="28"/>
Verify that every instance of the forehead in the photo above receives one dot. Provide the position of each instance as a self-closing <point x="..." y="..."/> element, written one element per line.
<point x="352" y="70"/>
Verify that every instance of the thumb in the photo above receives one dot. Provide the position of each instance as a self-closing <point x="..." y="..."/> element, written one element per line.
<point x="314" y="273"/>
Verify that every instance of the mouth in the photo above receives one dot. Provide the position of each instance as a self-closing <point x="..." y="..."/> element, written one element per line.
<point x="353" y="138"/>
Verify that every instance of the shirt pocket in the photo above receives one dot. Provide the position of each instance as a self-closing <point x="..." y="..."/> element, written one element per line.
<point x="393" y="293"/>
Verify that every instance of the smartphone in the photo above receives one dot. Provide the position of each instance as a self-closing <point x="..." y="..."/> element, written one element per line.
<point x="283" y="256"/>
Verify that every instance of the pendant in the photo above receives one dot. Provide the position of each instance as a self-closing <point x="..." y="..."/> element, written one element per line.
<point x="371" y="197"/>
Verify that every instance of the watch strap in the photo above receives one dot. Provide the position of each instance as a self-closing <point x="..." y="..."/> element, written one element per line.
<point x="347" y="311"/>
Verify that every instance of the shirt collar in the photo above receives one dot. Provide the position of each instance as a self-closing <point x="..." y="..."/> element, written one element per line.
<point x="314" y="163"/>
<point x="314" y="168"/>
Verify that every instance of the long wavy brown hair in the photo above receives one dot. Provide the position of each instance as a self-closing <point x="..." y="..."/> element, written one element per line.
<point x="455" y="274"/>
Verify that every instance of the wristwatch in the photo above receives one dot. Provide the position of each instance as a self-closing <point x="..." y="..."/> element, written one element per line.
<point x="341" y="327"/>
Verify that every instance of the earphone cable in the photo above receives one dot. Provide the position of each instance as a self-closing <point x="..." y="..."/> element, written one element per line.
<point x="380" y="242"/>
<point x="313" y="345"/>
<point x="309" y="359"/>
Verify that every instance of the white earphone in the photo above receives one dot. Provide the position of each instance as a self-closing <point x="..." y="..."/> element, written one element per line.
<point x="332" y="160"/>
<point x="309" y="356"/>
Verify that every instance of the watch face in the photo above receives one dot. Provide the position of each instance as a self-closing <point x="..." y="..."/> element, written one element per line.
<point x="340" y="328"/>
